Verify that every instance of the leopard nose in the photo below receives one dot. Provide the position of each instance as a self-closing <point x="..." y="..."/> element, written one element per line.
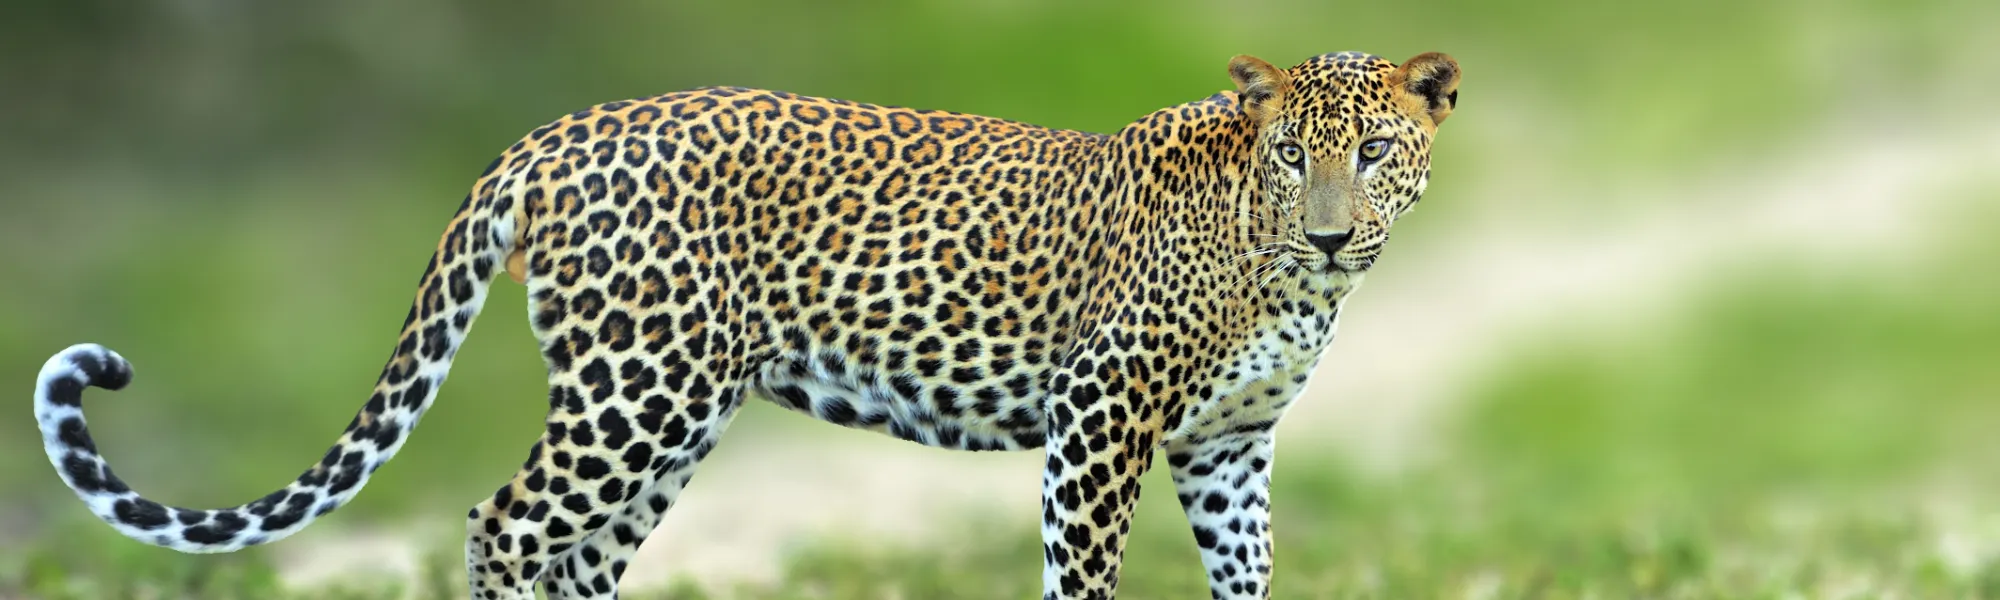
<point x="1329" y="242"/>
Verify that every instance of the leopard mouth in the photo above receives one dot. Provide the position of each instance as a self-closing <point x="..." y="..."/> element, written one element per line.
<point x="1332" y="265"/>
<point x="1320" y="263"/>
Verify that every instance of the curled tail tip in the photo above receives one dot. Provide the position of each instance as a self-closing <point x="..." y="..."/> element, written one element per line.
<point x="99" y="366"/>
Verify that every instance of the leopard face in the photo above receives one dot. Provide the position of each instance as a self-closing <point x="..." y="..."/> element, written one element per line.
<point x="1343" y="147"/>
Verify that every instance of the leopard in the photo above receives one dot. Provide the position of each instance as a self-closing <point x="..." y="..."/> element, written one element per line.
<point x="954" y="280"/>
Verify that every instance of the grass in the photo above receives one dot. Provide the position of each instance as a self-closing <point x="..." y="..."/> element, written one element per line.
<point x="1789" y="435"/>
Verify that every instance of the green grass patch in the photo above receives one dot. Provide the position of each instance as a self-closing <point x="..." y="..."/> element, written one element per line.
<point x="1788" y="435"/>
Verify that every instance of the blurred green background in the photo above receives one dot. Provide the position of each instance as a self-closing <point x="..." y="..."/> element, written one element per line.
<point x="1701" y="304"/>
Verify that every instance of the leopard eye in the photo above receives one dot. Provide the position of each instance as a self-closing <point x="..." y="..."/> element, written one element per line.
<point x="1292" y="154"/>
<point x="1374" y="150"/>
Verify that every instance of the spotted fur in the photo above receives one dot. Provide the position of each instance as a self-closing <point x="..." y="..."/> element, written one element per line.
<point x="953" y="280"/>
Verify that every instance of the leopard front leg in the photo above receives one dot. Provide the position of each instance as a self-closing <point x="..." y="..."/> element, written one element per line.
<point x="1224" y="484"/>
<point x="1101" y="437"/>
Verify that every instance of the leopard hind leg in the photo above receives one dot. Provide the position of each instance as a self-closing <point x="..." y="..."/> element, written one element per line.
<point x="638" y="395"/>
<point x="594" y="566"/>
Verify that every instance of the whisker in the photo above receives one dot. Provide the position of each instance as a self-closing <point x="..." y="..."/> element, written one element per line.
<point x="1266" y="219"/>
<point x="1247" y="276"/>
<point x="1263" y="275"/>
<point x="1263" y="270"/>
<point x="1255" y="252"/>
<point x="1273" y="275"/>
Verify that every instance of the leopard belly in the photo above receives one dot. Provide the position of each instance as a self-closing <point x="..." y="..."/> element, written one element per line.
<point x="905" y="404"/>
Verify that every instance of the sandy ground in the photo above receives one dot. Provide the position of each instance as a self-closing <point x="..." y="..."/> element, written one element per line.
<point x="1427" y="321"/>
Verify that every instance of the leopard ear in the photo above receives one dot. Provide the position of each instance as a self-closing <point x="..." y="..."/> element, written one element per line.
<point x="1431" y="79"/>
<point x="1261" y="87"/>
